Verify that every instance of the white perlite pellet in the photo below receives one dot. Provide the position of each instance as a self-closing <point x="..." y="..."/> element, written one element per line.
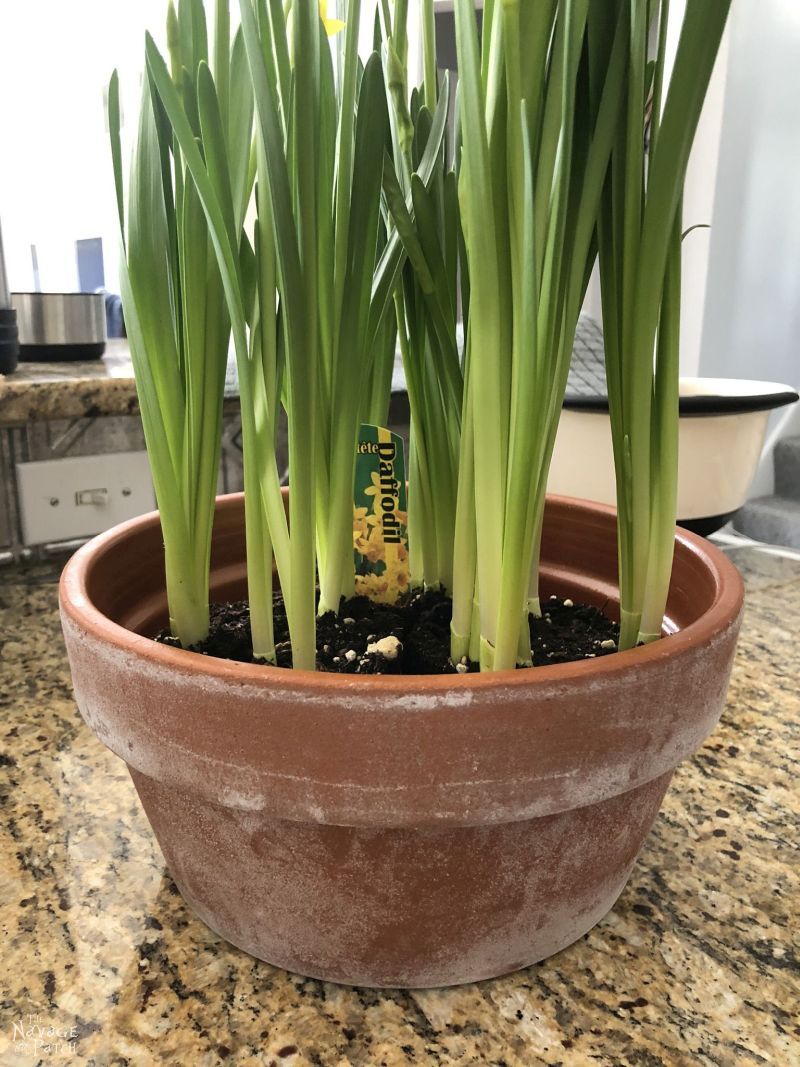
<point x="388" y="647"/>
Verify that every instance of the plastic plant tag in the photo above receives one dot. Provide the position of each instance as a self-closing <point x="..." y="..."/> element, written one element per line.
<point x="380" y="538"/>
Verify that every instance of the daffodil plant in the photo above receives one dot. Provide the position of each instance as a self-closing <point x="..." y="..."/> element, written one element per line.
<point x="639" y="237"/>
<point x="426" y="299"/>
<point x="175" y="309"/>
<point x="315" y="209"/>
<point x="299" y="297"/>
<point x="308" y="296"/>
<point x="553" y="108"/>
<point x="536" y="147"/>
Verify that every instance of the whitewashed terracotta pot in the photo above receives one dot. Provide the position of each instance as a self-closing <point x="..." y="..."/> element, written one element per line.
<point x="399" y="831"/>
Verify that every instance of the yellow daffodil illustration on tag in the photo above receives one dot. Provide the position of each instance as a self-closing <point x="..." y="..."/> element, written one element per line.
<point x="380" y="539"/>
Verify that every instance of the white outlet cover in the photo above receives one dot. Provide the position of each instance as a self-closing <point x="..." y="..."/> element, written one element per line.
<point x="49" y="492"/>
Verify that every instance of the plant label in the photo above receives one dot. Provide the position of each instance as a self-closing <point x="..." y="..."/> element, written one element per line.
<point x="380" y="538"/>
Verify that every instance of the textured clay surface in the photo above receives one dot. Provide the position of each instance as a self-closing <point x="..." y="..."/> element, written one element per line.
<point x="400" y="907"/>
<point x="384" y="771"/>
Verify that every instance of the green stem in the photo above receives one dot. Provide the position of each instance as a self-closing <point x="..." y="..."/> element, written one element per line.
<point x="187" y="589"/>
<point x="665" y="446"/>
<point x="464" y="620"/>
<point x="431" y="81"/>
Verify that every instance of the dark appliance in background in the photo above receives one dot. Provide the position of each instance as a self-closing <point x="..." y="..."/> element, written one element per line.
<point x="9" y="338"/>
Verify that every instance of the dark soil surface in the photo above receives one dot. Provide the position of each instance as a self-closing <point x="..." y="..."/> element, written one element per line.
<point x="413" y="637"/>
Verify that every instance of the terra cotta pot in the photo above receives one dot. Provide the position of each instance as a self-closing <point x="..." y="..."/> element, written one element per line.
<point x="399" y="831"/>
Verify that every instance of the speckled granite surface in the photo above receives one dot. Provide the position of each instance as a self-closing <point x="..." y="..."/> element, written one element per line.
<point x="42" y="392"/>
<point x="696" y="964"/>
<point x="39" y="392"/>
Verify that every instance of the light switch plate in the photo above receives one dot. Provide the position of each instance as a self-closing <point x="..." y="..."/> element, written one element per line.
<point x="65" y="499"/>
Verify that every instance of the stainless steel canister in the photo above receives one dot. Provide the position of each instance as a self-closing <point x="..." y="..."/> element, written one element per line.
<point x="58" y="326"/>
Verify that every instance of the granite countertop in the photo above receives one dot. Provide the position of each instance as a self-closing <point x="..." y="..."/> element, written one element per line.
<point x="41" y="392"/>
<point x="696" y="964"/>
<point x="38" y="392"/>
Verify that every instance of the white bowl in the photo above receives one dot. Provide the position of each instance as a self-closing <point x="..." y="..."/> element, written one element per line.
<point x="723" y="422"/>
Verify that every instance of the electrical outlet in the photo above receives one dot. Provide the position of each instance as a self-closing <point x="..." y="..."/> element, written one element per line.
<point x="65" y="499"/>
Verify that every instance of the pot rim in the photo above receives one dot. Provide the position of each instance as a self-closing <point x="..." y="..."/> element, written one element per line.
<point x="77" y="604"/>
